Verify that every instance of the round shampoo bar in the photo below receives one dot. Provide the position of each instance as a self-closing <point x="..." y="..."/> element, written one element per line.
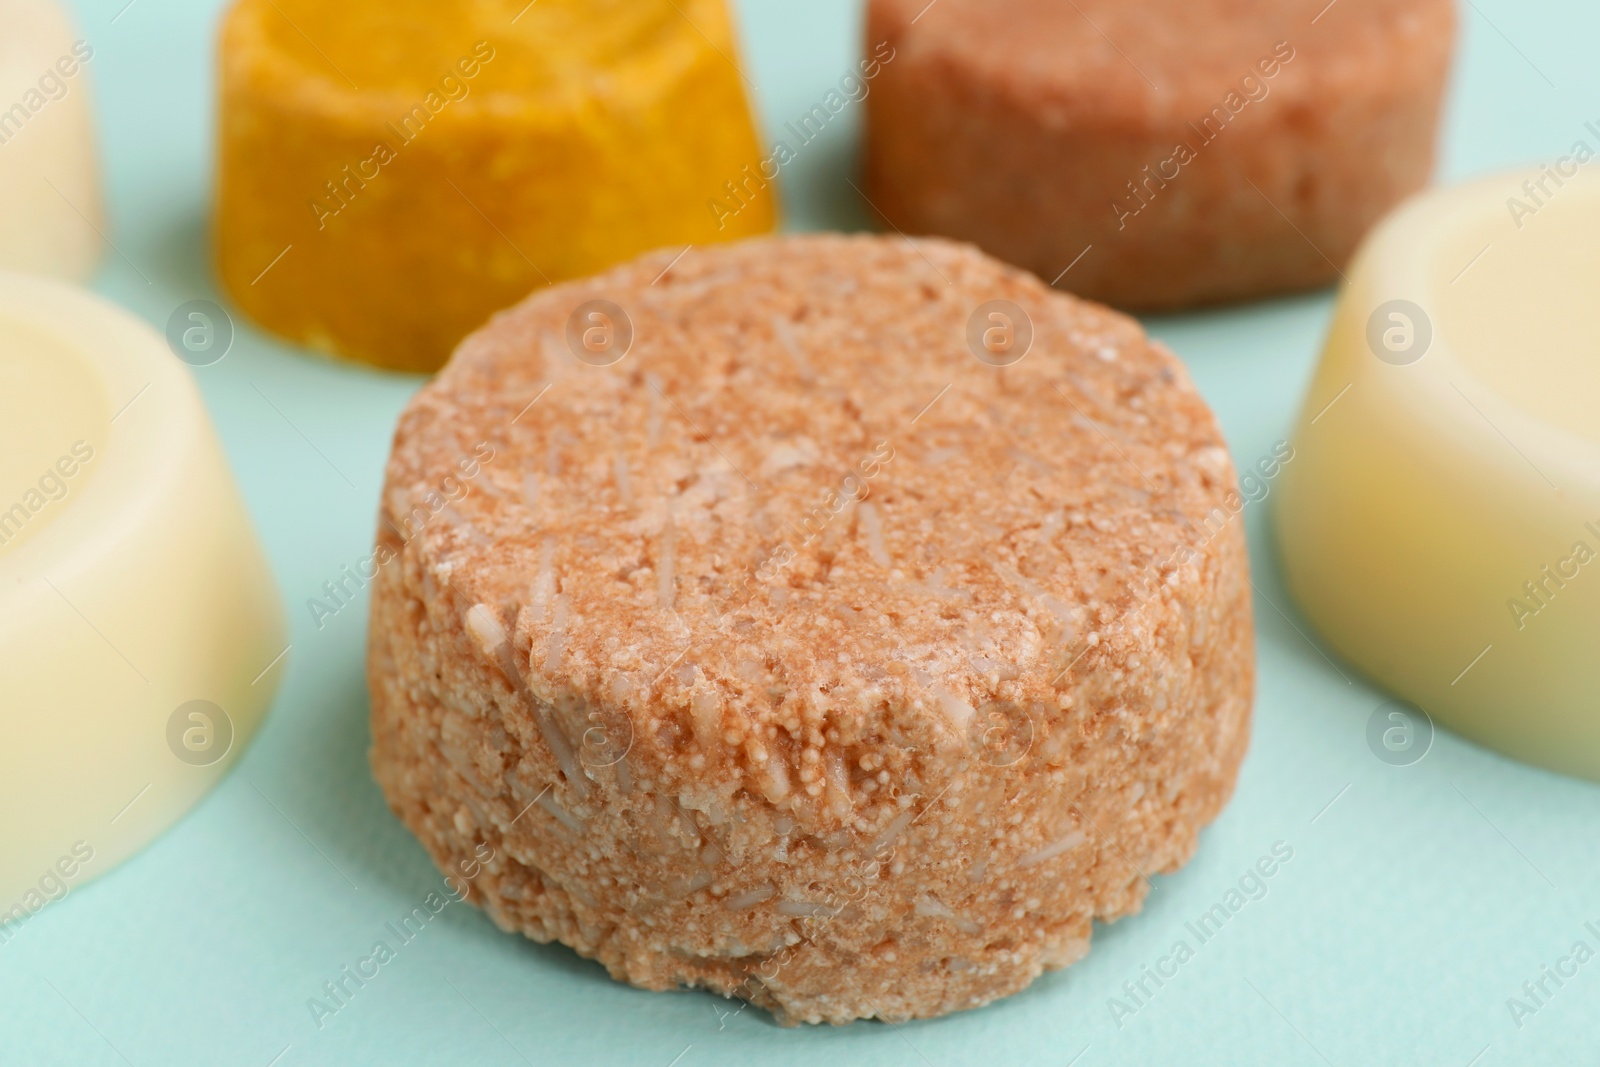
<point x="50" y="210"/>
<point x="140" y="632"/>
<point x="391" y="173"/>
<point x="832" y="623"/>
<point x="1440" y="525"/>
<point x="1161" y="154"/>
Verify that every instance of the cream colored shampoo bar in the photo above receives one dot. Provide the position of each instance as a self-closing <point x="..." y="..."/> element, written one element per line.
<point x="1441" y="523"/>
<point x="50" y="211"/>
<point x="139" y="626"/>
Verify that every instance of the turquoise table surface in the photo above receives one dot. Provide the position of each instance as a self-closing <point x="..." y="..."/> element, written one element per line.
<point x="1417" y="901"/>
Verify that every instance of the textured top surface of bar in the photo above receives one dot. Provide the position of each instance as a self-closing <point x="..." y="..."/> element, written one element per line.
<point x="801" y="490"/>
<point x="1097" y="61"/>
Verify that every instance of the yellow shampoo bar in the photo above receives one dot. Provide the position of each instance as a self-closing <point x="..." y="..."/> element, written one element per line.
<point x="390" y="174"/>
<point x="1440" y="525"/>
<point x="141" y="636"/>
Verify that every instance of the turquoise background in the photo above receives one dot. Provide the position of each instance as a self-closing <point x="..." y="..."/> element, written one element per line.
<point x="1414" y="905"/>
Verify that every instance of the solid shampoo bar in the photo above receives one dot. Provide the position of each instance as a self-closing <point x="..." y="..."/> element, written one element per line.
<point x="50" y="211"/>
<point x="141" y="636"/>
<point x="392" y="174"/>
<point x="882" y="735"/>
<point x="1441" y="522"/>
<point x="1160" y="154"/>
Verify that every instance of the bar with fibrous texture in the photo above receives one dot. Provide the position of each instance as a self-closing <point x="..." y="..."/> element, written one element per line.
<point x="915" y="638"/>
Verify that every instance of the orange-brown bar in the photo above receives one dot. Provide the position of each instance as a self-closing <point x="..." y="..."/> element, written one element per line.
<point x="827" y="622"/>
<point x="1159" y="154"/>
